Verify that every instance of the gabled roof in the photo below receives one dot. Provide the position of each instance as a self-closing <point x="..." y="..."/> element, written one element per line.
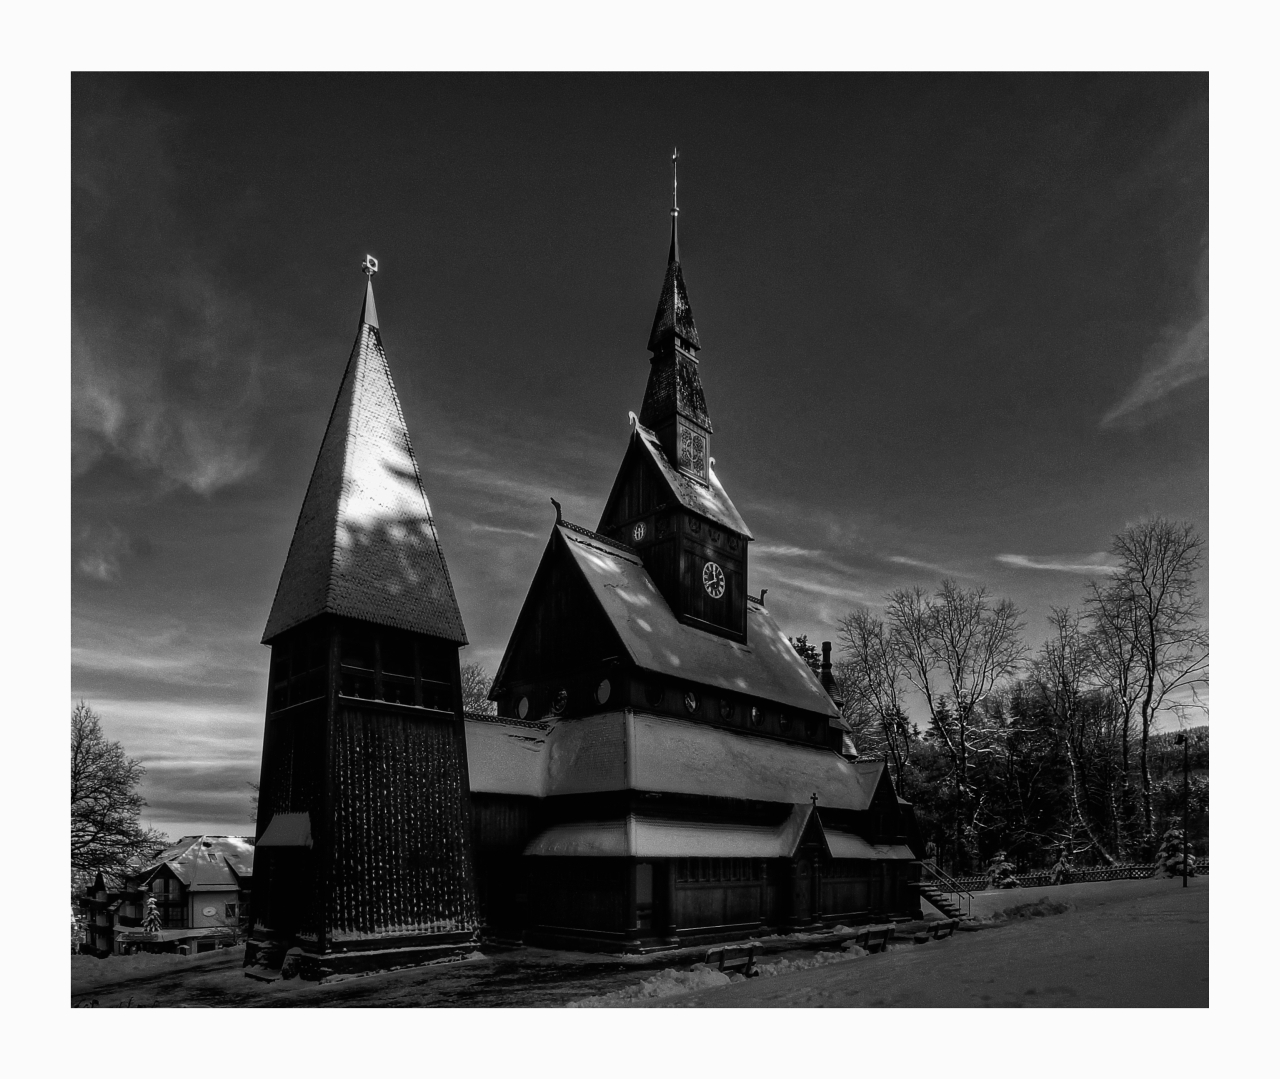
<point x="766" y="667"/>
<point x="365" y="545"/>
<point x="205" y="859"/>
<point x="709" y="499"/>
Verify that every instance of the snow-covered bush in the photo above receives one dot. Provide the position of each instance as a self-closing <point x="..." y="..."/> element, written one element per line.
<point x="1000" y="872"/>
<point x="1171" y="853"/>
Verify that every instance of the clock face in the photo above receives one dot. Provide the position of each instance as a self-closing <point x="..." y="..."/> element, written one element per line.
<point x="637" y="533"/>
<point x="713" y="580"/>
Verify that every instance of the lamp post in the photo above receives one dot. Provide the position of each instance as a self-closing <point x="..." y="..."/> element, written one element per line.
<point x="1186" y="830"/>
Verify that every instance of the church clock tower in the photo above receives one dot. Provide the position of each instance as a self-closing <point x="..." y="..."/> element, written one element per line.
<point x="667" y="502"/>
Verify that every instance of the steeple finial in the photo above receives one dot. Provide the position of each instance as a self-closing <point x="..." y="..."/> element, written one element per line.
<point x="369" y="313"/>
<point x="674" y="255"/>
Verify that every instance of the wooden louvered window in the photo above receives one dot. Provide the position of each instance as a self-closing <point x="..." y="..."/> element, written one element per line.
<point x="299" y="668"/>
<point x="395" y="666"/>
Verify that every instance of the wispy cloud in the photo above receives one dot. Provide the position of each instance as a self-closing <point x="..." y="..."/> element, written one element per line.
<point x="163" y="365"/>
<point x="1093" y="563"/>
<point x="475" y="526"/>
<point x="783" y="550"/>
<point x="1180" y="358"/>
<point x="821" y="588"/>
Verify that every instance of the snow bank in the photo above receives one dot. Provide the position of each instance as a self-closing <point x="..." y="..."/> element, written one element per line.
<point x="666" y="983"/>
<point x="808" y="962"/>
<point x="672" y="982"/>
<point x="88" y="971"/>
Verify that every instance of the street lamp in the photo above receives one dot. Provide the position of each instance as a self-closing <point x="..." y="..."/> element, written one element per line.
<point x="1183" y="741"/>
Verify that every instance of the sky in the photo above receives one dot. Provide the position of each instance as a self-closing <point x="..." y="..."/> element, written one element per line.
<point x="953" y="325"/>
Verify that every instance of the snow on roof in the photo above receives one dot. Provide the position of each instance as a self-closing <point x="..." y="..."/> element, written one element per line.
<point x="365" y="545"/>
<point x="641" y="837"/>
<point x="506" y="758"/>
<point x="630" y="750"/>
<point x="205" y="859"/>
<point x="637" y="836"/>
<point x="708" y="499"/>
<point x="766" y="666"/>
<point x="287" y="830"/>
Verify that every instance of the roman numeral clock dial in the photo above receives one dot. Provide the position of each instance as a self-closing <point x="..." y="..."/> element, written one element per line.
<point x="713" y="580"/>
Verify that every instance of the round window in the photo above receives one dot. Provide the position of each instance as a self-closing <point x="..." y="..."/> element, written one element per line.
<point x="522" y="709"/>
<point x="602" y="691"/>
<point x="559" y="702"/>
<point x="691" y="702"/>
<point x="653" y="694"/>
<point x="209" y="912"/>
<point x="757" y="716"/>
<point x="726" y="709"/>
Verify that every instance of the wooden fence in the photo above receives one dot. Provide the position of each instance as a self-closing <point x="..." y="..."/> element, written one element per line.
<point x="1040" y="878"/>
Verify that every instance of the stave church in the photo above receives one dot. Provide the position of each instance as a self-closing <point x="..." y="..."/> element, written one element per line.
<point x="663" y="769"/>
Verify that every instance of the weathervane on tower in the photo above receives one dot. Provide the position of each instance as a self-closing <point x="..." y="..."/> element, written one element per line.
<point x="369" y="266"/>
<point x="675" y="160"/>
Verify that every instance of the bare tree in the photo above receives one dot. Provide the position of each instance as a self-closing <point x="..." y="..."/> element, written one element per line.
<point x="475" y="690"/>
<point x="1155" y="589"/>
<point x="1060" y="675"/>
<point x="870" y="677"/>
<point x="1115" y="668"/>
<point x="105" y="834"/>
<point x="956" y="647"/>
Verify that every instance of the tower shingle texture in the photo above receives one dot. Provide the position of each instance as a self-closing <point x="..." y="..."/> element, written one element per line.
<point x="365" y="545"/>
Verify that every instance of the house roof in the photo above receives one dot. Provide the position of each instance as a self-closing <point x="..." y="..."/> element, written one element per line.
<point x="708" y="499"/>
<point x="767" y="666"/>
<point x="631" y="750"/>
<point x="199" y="860"/>
<point x="365" y="545"/>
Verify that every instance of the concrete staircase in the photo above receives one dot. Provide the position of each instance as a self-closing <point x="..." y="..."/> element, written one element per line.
<point x="944" y="901"/>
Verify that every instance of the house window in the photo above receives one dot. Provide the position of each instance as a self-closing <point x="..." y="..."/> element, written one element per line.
<point x="230" y="911"/>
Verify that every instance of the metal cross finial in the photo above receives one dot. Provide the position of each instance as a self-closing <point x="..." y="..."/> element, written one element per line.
<point x="369" y="266"/>
<point x="675" y="160"/>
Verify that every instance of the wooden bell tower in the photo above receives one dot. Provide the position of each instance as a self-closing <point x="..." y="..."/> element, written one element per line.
<point x="363" y="855"/>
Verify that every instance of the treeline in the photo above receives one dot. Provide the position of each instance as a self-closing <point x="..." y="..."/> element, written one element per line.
<point x="1047" y="752"/>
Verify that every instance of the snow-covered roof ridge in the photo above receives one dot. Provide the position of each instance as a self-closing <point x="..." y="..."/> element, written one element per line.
<point x="205" y="859"/>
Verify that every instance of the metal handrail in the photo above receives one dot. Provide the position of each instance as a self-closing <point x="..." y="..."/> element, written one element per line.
<point x="964" y="897"/>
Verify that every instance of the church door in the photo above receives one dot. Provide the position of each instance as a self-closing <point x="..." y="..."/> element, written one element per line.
<point x="802" y="898"/>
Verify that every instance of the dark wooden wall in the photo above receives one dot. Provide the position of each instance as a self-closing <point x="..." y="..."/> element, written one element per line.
<point x="401" y="845"/>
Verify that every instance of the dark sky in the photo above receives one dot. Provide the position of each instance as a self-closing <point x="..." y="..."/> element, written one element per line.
<point x="951" y="325"/>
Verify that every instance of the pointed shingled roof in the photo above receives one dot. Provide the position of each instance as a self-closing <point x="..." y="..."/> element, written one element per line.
<point x="674" y="315"/>
<point x="365" y="545"/>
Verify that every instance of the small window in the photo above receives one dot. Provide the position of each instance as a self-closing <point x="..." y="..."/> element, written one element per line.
<point x="229" y="911"/>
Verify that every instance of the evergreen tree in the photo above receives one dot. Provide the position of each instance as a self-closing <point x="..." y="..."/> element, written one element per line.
<point x="1173" y="850"/>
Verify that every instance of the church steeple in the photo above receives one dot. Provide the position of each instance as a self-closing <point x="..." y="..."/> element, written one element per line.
<point x="674" y="318"/>
<point x="365" y="545"/>
<point x="675" y="407"/>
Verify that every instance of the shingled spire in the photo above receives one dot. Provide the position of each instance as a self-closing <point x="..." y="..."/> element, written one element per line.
<point x="365" y="545"/>
<point x="675" y="407"/>
<point x="674" y="317"/>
